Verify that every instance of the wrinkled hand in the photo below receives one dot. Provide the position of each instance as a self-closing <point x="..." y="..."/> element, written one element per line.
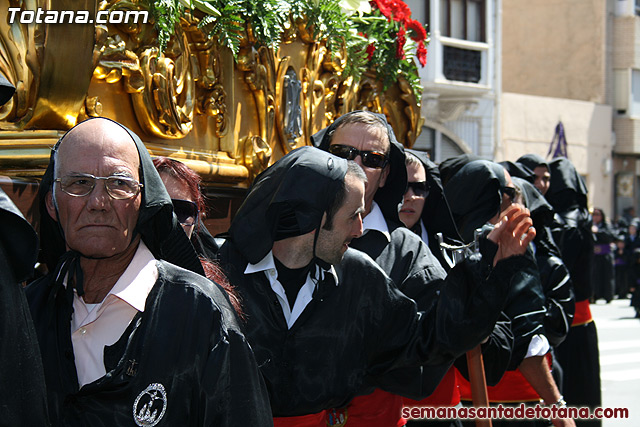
<point x="513" y="233"/>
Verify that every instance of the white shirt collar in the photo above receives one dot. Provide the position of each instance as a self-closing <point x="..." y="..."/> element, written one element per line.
<point x="305" y="295"/>
<point x="423" y="233"/>
<point x="137" y="280"/>
<point x="375" y="221"/>
<point x="134" y="285"/>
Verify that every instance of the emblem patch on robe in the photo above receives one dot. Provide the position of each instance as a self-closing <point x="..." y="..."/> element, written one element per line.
<point x="150" y="405"/>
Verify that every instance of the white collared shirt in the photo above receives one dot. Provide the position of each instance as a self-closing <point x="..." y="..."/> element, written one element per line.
<point x="305" y="295"/>
<point x="375" y="221"/>
<point x="94" y="326"/>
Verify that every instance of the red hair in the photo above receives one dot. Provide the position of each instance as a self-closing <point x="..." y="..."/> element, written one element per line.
<point x="183" y="173"/>
<point x="192" y="180"/>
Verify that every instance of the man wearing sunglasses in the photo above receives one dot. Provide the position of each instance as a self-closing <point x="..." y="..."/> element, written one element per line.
<point x="368" y="139"/>
<point x="128" y="334"/>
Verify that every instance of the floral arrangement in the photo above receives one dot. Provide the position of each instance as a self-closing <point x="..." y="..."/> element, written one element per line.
<point x="377" y="35"/>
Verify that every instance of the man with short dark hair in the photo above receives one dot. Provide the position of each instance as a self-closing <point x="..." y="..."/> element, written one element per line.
<point x="325" y="322"/>
<point x="127" y="335"/>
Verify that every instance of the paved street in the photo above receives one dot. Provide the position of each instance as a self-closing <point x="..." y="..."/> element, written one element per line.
<point x="619" y="340"/>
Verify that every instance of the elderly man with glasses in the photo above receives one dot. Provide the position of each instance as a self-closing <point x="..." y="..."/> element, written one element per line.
<point x="127" y="336"/>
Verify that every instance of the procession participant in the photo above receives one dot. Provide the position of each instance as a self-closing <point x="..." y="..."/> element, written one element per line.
<point x="24" y="402"/>
<point x="324" y="320"/>
<point x="578" y="354"/>
<point x="540" y="168"/>
<point x="369" y="140"/>
<point x="126" y="335"/>
<point x="183" y="186"/>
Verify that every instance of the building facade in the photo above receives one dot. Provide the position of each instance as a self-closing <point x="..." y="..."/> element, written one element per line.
<point x="557" y="67"/>
<point x="462" y="77"/>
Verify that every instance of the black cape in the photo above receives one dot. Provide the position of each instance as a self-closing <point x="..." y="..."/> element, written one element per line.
<point x="23" y="399"/>
<point x="525" y="306"/>
<point x="201" y="358"/>
<point x="556" y="282"/>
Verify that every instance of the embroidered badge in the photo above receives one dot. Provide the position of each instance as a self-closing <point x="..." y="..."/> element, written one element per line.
<point x="150" y="405"/>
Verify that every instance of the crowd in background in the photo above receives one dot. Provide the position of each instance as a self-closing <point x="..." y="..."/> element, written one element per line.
<point x="616" y="266"/>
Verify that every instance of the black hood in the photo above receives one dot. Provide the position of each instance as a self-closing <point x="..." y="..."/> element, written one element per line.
<point x="452" y="165"/>
<point x="519" y="170"/>
<point x="541" y="210"/>
<point x="18" y="238"/>
<point x="436" y="215"/>
<point x="567" y="189"/>
<point x="286" y="200"/>
<point x="532" y="161"/>
<point x="389" y="196"/>
<point x="474" y="195"/>
<point x="157" y="225"/>
<point x="6" y="90"/>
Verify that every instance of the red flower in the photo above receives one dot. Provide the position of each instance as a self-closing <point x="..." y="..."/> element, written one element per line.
<point x="417" y="31"/>
<point x="370" y="49"/>
<point x="400" y="46"/>
<point x="383" y="5"/>
<point x="422" y="53"/>
<point x="400" y="11"/>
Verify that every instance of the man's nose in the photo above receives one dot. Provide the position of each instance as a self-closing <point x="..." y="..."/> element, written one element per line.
<point x="99" y="198"/>
<point x="357" y="227"/>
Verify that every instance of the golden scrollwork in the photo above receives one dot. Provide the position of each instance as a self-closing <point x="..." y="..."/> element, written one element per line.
<point x="228" y="118"/>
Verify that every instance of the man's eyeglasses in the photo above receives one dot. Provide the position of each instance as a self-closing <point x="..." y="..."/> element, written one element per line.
<point x="118" y="187"/>
<point x="510" y="192"/>
<point x="420" y="188"/>
<point x="186" y="211"/>
<point x="370" y="159"/>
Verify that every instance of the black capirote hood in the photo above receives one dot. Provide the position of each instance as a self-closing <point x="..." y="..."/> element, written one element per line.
<point x="288" y="199"/>
<point x="567" y="189"/>
<point x="474" y="195"/>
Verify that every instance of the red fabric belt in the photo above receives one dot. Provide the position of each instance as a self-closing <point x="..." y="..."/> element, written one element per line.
<point x="582" y="314"/>
<point x="311" y="420"/>
<point x="378" y="409"/>
<point x="513" y="387"/>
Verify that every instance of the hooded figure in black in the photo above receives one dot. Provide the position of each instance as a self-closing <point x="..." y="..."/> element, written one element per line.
<point x="23" y="400"/>
<point x="181" y="359"/>
<point x="556" y="282"/>
<point x="477" y="193"/>
<point x="353" y="326"/>
<point x="398" y="251"/>
<point x="578" y="354"/>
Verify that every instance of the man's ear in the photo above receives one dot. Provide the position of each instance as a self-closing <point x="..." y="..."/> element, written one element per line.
<point x="51" y="208"/>
<point x="384" y="175"/>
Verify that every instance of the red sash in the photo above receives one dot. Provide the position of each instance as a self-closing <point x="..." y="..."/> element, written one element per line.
<point x="513" y="387"/>
<point x="378" y="409"/>
<point x="311" y="420"/>
<point x="582" y="314"/>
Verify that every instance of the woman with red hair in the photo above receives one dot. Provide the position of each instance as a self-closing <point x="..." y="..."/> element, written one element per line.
<point x="183" y="186"/>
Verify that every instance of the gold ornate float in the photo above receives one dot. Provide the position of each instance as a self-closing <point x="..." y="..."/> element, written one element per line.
<point x="226" y="118"/>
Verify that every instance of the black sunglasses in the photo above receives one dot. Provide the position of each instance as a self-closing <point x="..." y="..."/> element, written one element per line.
<point x="420" y="188"/>
<point x="510" y="192"/>
<point x="186" y="211"/>
<point x="370" y="159"/>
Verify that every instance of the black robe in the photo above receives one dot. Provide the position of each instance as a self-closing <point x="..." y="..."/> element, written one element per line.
<point x="578" y="354"/>
<point x="22" y="395"/>
<point x="351" y="334"/>
<point x="188" y="340"/>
